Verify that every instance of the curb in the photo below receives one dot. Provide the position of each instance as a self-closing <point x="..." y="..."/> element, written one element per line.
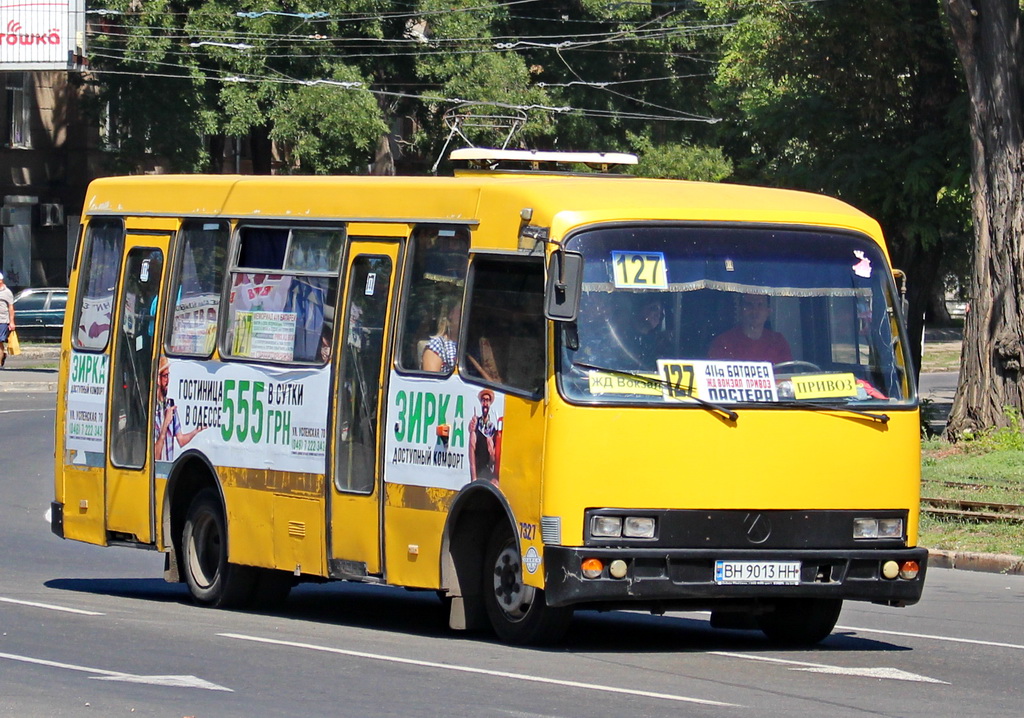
<point x="28" y="387"/>
<point x="1003" y="563"/>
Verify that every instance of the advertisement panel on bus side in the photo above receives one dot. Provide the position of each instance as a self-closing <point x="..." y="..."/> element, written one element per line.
<point x="442" y="433"/>
<point x="241" y="415"/>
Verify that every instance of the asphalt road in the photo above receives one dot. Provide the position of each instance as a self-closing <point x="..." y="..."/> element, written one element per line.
<point x="92" y="631"/>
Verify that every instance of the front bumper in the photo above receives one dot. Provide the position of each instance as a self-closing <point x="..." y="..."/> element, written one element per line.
<point x="662" y="577"/>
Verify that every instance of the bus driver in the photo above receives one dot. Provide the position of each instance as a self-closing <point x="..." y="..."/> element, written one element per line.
<point x="750" y="339"/>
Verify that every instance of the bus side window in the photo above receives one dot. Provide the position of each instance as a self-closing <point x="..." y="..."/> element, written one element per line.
<point x="505" y="329"/>
<point x="97" y="281"/>
<point x="433" y="302"/>
<point x="283" y="288"/>
<point x="196" y="288"/>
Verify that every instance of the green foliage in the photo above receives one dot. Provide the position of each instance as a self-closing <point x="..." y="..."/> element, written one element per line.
<point x="341" y="143"/>
<point x="461" y="60"/>
<point x="679" y="161"/>
<point x="857" y="100"/>
<point x="999" y="438"/>
<point x="183" y="71"/>
<point x="849" y="99"/>
<point x="862" y="101"/>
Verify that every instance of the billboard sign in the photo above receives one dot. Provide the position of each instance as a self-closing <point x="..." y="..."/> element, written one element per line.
<point x="41" y="35"/>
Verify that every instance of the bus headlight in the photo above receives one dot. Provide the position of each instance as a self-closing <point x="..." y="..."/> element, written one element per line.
<point x="606" y="526"/>
<point x="890" y="528"/>
<point x="638" y="527"/>
<point x="887" y="528"/>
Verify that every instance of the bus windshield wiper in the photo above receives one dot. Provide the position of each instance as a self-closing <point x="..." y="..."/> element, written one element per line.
<point x="725" y="411"/>
<point x="817" y="406"/>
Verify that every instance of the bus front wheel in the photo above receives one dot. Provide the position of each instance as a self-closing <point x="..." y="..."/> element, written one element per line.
<point x="517" y="612"/>
<point x="800" y="621"/>
<point x="212" y="580"/>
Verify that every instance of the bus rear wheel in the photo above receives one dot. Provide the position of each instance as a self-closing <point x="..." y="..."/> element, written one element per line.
<point x="800" y="621"/>
<point x="211" y="579"/>
<point x="517" y="612"/>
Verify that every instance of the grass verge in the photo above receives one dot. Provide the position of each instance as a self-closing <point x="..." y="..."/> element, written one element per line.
<point x="941" y="356"/>
<point x="989" y="469"/>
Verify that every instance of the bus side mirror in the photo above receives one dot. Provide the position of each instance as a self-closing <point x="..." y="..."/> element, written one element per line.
<point x="565" y="281"/>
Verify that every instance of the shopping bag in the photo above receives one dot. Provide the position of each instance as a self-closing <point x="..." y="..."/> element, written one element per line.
<point x="13" y="345"/>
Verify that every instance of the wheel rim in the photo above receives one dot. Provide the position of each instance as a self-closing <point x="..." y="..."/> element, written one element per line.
<point x="512" y="595"/>
<point x="204" y="550"/>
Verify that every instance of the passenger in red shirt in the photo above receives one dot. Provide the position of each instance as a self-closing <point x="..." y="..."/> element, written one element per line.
<point x="750" y="340"/>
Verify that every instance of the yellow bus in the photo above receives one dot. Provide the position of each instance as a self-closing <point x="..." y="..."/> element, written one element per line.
<point x="531" y="391"/>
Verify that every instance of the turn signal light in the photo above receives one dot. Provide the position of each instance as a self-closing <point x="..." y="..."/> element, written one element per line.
<point x="592" y="567"/>
<point x="909" y="570"/>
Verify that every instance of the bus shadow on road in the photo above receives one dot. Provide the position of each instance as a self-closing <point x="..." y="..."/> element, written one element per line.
<point x="147" y="589"/>
<point x="421" y="613"/>
<point x="638" y="633"/>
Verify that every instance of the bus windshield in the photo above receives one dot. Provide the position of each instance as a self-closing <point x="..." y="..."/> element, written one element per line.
<point x="759" y="316"/>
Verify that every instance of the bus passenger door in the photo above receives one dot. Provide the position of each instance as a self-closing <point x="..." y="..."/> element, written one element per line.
<point x="354" y="488"/>
<point x="129" y="485"/>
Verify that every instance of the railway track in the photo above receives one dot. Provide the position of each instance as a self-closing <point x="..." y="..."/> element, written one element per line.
<point x="978" y="485"/>
<point x="973" y="510"/>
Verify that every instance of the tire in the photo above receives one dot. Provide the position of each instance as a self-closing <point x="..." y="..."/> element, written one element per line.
<point x="211" y="579"/>
<point x="800" y="621"/>
<point x="517" y="612"/>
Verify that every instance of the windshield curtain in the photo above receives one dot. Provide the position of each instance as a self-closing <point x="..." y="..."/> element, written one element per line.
<point x="751" y="315"/>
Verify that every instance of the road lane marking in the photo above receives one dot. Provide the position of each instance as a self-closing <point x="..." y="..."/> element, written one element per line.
<point x="950" y="639"/>
<point x="51" y="607"/>
<point x="105" y="675"/>
<point x="893" y="674"/>
<point x="480" y="671"/>
<point x="23" y="411"/>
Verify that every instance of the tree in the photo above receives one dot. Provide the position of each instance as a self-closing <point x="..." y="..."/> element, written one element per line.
<point x="988" y="40"/>
<point x="178" y="72"/>
<point x="185" y="76"/>
<point x="860" y="101"/>
<point x="635" y="75"/>
<point x="144" y="110"/>
<point x="679" y="161"/>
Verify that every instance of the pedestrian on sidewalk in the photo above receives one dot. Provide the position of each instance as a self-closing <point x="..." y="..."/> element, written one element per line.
<point x="6" y="318"/>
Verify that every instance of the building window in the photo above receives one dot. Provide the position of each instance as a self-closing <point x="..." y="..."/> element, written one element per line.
<point x="16" y="110"/>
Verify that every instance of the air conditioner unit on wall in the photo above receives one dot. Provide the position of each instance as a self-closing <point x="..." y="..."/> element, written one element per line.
<point x="51" y="215"/>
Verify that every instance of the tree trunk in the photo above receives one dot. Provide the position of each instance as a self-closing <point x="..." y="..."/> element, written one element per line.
<point x="216" y="144"/>
<point x="923" y="268"/>
<point x="261" y="150"/>
<point x="383" y="161"/>
<point x="988" y="40"/>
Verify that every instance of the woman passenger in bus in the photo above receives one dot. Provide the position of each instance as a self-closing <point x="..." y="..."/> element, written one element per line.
<point x="442" y="349"/>
<point x="750" y="339"/>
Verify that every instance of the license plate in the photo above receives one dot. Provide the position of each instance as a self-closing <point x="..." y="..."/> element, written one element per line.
<point x="752" y="572"/>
